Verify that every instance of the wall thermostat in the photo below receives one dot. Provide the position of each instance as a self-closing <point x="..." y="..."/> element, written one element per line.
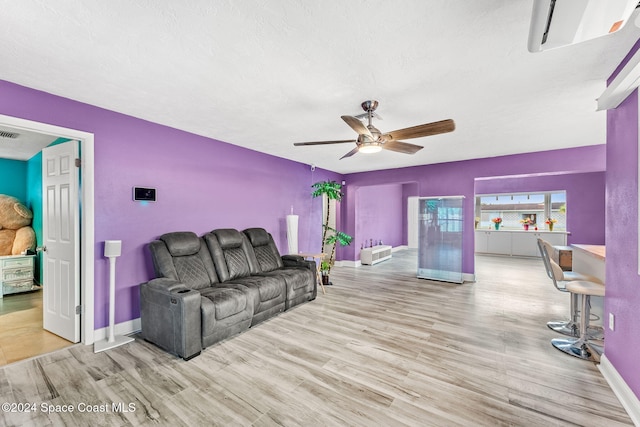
<point x="144" y="194"/>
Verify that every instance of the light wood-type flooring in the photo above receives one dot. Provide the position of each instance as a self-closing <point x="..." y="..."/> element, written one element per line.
<point x="21" y="333"/>
<point x="381" y="348"/>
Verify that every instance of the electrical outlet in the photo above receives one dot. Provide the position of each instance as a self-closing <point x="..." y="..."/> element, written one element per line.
<point x="611" y="321"/>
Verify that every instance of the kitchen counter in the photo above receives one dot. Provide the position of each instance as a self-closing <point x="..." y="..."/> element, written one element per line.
<point x="590" y="260"/>
<point x="597" y="251"/>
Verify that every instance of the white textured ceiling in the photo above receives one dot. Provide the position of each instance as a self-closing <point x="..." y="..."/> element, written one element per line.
<point x="266" y="73"/>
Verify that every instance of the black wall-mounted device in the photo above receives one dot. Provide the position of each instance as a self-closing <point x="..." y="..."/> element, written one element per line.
<point x="143" y="194"/>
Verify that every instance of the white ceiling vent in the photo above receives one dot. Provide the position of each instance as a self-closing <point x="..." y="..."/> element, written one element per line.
<point x="557" y="23"/>
<point x="5" y="134"/>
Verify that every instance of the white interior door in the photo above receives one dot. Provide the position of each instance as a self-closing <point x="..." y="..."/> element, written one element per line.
<point x="61" y="239"/>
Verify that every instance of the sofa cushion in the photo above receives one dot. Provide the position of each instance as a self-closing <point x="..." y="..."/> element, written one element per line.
<point x="226" y="302"/>
<point x="257" y="236"/>
<point x="236" y="263"/>
<point x="267" y="259"/>
<point x="184" y="257"/>
<point x="181" y="243"/>
<point x="265" y="251"/>
<point x="231" y="254"/>
<point x="269" y="287"/>
<point x="228" y="238"/>
<point x="191" y="272"/>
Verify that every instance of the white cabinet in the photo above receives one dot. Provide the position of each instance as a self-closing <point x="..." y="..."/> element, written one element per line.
<point x="493" y="242"/>
<point x="375" y="254"/>
<point x="525" y="243"/>
<point x="499" y="243"/>
<point x="16" y="274"/>
<point x="482" y="241"/>
<point x="515" y="242"/>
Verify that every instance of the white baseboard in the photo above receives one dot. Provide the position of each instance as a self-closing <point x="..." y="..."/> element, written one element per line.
<point x="123" y="328"/>
<point x="399" y="248"/>
<point x="348" y="263"/>
<point x="625" y="395"/>
<point x="468" y="277"/>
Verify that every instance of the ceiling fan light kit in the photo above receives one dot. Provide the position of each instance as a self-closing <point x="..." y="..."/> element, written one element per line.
<point x="371" y="140"/>
<point x="370" y="148"/>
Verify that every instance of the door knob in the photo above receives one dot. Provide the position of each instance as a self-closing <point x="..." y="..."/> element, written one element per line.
<point x="41" y="249"/>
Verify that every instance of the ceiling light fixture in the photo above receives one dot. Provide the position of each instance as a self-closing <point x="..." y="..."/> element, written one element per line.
<point x="369" y="148"/>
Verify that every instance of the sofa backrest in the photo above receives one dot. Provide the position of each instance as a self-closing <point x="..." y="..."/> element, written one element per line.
<point x="232" y="254"/>
<point x="183" y="256"/>
<point x="264" y="248"/>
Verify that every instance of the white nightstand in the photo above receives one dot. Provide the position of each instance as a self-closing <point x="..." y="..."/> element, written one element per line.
<point x="16" y="274"/>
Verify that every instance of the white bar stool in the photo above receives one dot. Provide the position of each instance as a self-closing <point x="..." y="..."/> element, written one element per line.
<point x="583" y="347"/>
<point x="560" y="279"/>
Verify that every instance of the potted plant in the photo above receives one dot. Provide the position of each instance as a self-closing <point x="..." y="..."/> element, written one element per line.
<point x="324" y="271"/>
<point x="330" y="236"/>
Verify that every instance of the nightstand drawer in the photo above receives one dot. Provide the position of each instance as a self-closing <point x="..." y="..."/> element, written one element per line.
<point x="17" y="262"/>
<point x="18" y="286"/>
<point x="17" y="274"/>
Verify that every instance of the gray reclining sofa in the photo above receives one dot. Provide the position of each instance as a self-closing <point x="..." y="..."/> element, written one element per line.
<point x="216" y="286"/>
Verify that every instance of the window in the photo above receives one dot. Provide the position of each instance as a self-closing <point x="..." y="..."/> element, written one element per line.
<point x="513" y="208"/>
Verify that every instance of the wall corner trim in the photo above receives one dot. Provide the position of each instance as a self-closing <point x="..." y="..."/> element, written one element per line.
<point x="625" y="395"/>
<point x="627" y="80"/>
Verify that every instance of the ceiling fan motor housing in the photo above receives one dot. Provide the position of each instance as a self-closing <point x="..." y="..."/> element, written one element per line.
<point x="369" y="105"/>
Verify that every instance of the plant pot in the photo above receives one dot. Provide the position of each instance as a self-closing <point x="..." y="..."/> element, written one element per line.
<point x="325" y="280"/>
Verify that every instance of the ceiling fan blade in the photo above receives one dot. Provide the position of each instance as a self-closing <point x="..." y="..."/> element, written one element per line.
<point x="342" y="141"/>
<point x="350" y="153"/>
<point x="419" y="131"/>
<point x="357" y="125"/>
<point x="402" y="147"/>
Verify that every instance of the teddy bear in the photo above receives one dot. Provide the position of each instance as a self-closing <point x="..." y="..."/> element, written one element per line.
<point x="16" y="234"/>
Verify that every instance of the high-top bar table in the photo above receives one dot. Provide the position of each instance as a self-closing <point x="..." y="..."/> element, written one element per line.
<point x="590" y="259"/>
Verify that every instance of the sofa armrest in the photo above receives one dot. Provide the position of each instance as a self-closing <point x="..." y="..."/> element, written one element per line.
<point x="163" y="284"/>
<point x="298" y="261"/>
<point x="170" y="316"/>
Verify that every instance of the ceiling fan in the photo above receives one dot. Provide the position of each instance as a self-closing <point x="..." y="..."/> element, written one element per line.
<point x="371" y="140"/>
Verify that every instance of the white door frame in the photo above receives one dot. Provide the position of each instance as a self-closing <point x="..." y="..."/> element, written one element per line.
<point x="87" y="229"/>
<point x="412" y="222"/>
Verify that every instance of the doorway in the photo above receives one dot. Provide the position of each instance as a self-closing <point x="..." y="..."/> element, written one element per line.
<point x="86" y="199"/>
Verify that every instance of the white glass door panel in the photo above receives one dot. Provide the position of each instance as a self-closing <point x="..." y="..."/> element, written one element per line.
<point x="440" y="238"/>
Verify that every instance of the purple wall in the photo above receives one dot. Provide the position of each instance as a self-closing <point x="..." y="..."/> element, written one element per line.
<point x="458" y="178"/>
<point x="585" y="199"/>
<point x="623" y="284"/>
<point x="202" y="184"/>
<point x="379" y="210"/>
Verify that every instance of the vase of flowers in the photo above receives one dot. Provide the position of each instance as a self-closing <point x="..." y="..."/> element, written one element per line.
<point x="550" y="223"/>
<point x="496" y="222"/>
<point x="526" y="222"/>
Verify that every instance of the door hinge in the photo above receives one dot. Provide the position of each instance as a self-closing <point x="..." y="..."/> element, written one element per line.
<point x="78" y="309"/>
<point x="78" y="163"/>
